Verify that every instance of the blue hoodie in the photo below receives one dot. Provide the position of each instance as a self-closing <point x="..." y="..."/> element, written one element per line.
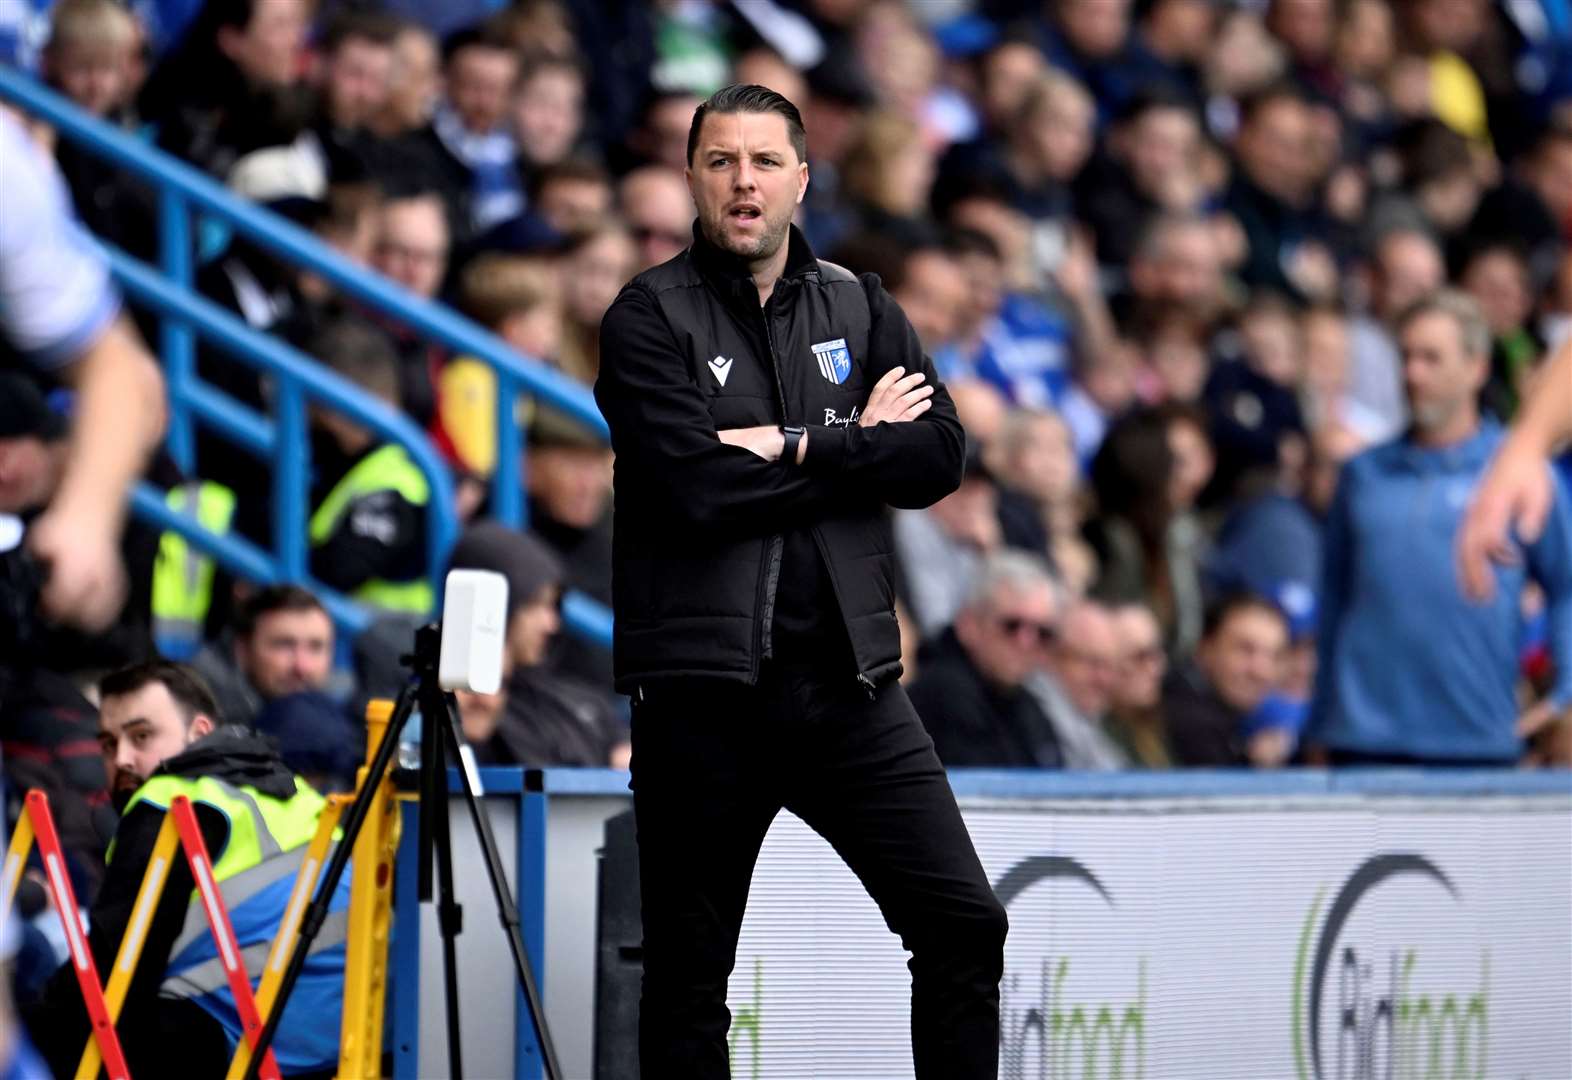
<point x="1409" y="666"/>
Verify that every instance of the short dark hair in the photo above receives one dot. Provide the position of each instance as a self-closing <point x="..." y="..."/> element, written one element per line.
<point x="372" y="26"/>
<point x="185" y="686"/>
<point x="358" y="351"/>
<point x="750" y="98"/>
<point x="1225" y="607"/>
<point x="271" y="599"/>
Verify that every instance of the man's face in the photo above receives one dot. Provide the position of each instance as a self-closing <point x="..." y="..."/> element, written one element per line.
<point x="1275" y="148"/>
<point x="1243" y="659"/>
<point x="412" y="245"/>
<point x="1086" y="660"/>
<point x="414" y="81"/>
<point x="548" y="113"/>
<point x="532" y="626"/>
<point x="1160" y="144"/>
<point x="1440" y="379"/>
<point x="572" y="483"/>
<point x="357" y="81"/>
<point x="935" y="295"/>
<point x="659" y="212"/>
<point x="1410" y="268"/>
<point x="29" y="473"/>
<point x="267" y="49"/>
<point x="746" y="182"/>
<point x="1097" y="28"/>
<point x="572" y="205"/>
<point x="1007" y="638"/>
<point x="480" y="79"/>
<point x="288" y="652"/>
<point x="96" y="77"/>
<point x="138" y="731"/>
<point x="1185" y="269"/>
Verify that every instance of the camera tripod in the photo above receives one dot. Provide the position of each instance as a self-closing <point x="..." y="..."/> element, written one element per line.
<point x="439" y="743"/>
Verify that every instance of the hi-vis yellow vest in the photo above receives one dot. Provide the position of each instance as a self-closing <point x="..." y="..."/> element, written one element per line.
<point x="386" y="469"/>
<point x="182" y="575"/>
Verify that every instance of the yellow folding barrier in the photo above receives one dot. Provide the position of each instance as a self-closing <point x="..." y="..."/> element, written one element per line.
<point x="370" y="917"/>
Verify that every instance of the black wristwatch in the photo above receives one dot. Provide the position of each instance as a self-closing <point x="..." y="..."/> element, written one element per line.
<point x="793" y="438"/>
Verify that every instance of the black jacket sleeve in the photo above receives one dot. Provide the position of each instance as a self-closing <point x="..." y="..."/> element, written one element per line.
<point x="380" y="536"/>
<point x="662" y="427"/>
<point x="111" y="914"/>
<point x="908" y="466"/>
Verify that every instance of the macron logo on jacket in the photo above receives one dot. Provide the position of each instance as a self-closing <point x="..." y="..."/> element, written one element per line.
<point x="720" y="367"/>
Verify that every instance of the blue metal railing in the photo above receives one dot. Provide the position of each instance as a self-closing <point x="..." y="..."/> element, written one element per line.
<point x="183" y="191"/>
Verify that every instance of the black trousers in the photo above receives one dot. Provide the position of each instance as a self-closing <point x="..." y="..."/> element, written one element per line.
<point x="713" y="763"/>
<point x="160" y="1036"/>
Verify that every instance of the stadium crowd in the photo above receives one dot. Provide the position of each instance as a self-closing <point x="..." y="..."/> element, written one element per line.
<point x="1182" y="265"/>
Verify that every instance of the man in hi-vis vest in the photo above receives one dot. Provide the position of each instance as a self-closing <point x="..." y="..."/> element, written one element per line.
<point x="162" y="736"/>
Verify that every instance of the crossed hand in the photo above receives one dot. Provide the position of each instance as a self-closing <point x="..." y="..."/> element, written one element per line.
<point x="895" y="399"/>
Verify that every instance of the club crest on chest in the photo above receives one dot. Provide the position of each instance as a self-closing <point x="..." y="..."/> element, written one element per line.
<point x="834" y="360"/>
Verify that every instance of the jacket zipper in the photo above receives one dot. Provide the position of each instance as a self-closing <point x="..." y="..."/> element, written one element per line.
<point x="777" y="545"/>
<point x="835" y="587"/>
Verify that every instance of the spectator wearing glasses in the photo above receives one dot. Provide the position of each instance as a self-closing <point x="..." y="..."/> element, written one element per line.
<point x="1135" y="720"/>
<point x="971" y="692"/>
<point x="1077" y="687"/>
<point x="655" y="203"/>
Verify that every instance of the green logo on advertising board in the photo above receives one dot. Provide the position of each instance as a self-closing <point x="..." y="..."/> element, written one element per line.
<point x="1049" y="1034"/>
<point x="1384" y="1029"/>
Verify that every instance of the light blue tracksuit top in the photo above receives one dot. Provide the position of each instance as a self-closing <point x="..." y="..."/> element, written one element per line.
<point x="1408" y="665"/>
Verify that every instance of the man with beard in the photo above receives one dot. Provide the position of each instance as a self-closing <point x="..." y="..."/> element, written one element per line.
<point x="162" y="735"/>
<point x="765" y="407"/>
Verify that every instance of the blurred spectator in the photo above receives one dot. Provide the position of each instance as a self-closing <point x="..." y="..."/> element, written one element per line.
<point x="886" y="175"/>
<point x="412" y="249"/>
<point x="89" y="60"/>
<point x="568" y="473"/>
<point x="1176" y="264"/>
<point x="548" y="719"/>
<point x="1173" y="38"/>
<point x="1407" y="266"/>
<point x="1033" y="455"/>
<point x="1273" y="196"/>
<point x="1238" y="663"/>
<point x="1076" y="689"/>
<point x="414" y="84"/>
<point x="469" y="130"/>
<point x="1173" y="357"/>
<point x="655" y="203"/>
<point x="763" y="66"/>
<point x="1151" y="165"/>
<point x="1389" y="688"/>
<point x="1326" y="396"/>
<point x="282" y="644"/>
<point x="939" y="549"/>
<point x="232" y="85"/>
<point x="971" y="694"/>
<point x="595" y="266"/>
<point x="1135" y="718"/>
<point x="354" y="77"/>
<point x="572" y="196"/>
<point x="1147" y="549"/>
<point x="547" y="111"/>
<point x="368" y="528"/>
<point x="932" y="290"/>
<point x="1497" y="277"/>
<point x="1091" y="39"/>
<point x="661" y="137"/>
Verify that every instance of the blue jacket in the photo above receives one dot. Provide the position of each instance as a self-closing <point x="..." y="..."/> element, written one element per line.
<point x="1408" y="665"/>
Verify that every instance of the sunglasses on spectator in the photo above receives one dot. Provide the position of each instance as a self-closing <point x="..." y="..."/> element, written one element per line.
<point x="1014" y="626"/>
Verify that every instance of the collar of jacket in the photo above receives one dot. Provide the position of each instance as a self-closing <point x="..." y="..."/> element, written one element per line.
<point x="729" y="274"/>
<point x="237" y="755"/>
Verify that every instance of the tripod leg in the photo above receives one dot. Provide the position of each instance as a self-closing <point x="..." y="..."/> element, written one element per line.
<point x="507" y="910"/>
<point x="311" y="921"/>
<point x="450" y="915"/>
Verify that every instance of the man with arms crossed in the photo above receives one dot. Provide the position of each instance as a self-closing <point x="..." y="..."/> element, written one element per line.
<point x="765" y="407"/>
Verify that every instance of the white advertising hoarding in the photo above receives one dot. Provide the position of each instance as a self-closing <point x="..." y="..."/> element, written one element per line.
<point x="1405" y="939"/>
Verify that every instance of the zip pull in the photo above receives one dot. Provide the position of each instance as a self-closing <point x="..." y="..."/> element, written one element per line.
<point x="867" y="684"/>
